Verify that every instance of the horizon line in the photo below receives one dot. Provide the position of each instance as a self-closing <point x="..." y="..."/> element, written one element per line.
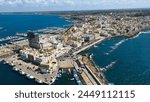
<point x="34" y="11"/>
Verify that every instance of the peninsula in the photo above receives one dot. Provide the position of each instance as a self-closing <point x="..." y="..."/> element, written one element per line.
<point x="43" y="55"/>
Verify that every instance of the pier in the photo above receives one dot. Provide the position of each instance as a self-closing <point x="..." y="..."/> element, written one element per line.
<point x="8" y="38"/>
<point x="88" y="46"/>
<point x="95" y="73"/>
<point x="88" y="72"/>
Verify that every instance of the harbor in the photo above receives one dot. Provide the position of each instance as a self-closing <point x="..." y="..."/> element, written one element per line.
<point x="44" y="55"/>
<point x="29" y="70"/>
<point x="81" y="72"/>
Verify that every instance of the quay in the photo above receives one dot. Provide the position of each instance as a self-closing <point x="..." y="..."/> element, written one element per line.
<point x="83" y="73"/>
<point x="29" y="70"/>
<point x="8" y="38"/>
<point x="21" y="34"/>
<point x="95" y="73"/>
<point x="88" y="72"/>
<point x="89" y="45"/>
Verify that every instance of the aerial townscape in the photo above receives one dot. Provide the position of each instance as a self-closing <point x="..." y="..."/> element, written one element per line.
<point x="44" y="54"/>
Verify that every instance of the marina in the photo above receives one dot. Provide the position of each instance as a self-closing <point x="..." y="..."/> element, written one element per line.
<point x="47" y="54"/>
<point x="8" y="38"/>
<point x="26" y="70"/>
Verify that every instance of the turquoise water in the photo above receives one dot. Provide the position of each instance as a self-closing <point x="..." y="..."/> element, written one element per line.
<point x="132" y="59"/>
<point x="11" y="24"/>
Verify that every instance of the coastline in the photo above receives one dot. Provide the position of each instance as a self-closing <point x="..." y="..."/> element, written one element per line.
<point x="91" y="44"/>
<point x="96" y="66"/>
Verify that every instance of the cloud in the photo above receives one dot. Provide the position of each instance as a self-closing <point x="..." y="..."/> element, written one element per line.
<point x="27" y="2"/>
<point x="18" y="5"/>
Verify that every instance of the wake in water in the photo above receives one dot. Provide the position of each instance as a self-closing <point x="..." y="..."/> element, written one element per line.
<point x="109" y="66"/>
<point x="115" y="46"/>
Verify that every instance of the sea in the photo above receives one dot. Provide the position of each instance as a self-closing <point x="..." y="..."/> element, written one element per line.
<point x="123" y="61"/>
<point x="10" y="24"/>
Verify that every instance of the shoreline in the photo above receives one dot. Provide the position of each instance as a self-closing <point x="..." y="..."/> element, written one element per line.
<point x="93" y="62"/>
<point x="88" y="45"/>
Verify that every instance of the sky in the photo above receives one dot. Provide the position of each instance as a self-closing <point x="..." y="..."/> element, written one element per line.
<point x="65" y="5"/>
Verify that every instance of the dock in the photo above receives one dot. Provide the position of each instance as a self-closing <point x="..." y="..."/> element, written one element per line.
<point x="88" y="45"/>
<point x="88" y="72"/>
<point x="29" y="70"/>
<point x="95" y="73"/>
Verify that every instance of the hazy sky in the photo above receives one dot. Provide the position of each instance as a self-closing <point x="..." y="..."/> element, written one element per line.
<point x="59" y="5"/>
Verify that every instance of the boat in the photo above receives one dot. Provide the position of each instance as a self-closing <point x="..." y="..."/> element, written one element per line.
<point x="29" y="76"/>
<point x="39" y="81"/>
<point x="76" y="77"/>
<point x="59" y="75"/>
<point x="12" y="64"/>
<point x="15" y="69"/>
<point x="21" y="72"/>
<point x="7" y="62"/>
<point x="72" y="79"/>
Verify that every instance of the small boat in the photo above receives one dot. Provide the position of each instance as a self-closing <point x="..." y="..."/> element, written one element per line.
<point x="59" y="75"/>
<point x="72" y="79"/>
<point x="15" y="69"/>
<point x="39" y="81"/>
<point x="29" y="76"/>
<point x="12" y="64"/>
<point x="21" y="72"/>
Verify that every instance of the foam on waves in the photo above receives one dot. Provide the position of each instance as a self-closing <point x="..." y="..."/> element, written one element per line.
<point x="115" y="46"/>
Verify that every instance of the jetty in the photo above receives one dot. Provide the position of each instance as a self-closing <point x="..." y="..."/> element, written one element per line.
<point x="44" y="52"/>
<point x="8" y="38"/>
